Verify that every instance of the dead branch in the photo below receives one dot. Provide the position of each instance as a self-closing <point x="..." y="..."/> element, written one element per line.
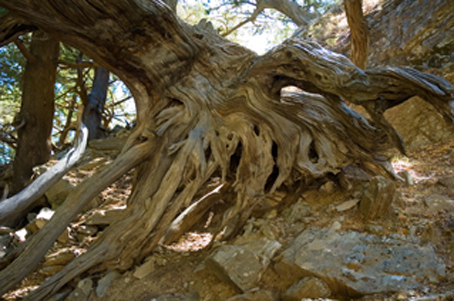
<point x="10" y="207"/>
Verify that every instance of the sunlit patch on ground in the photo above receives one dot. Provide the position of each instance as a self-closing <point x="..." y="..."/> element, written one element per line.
<point x="405" y="164"/>
<point x="191" y="242"/>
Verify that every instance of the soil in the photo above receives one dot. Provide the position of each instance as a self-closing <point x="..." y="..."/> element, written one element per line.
<point x="425" y="209"/>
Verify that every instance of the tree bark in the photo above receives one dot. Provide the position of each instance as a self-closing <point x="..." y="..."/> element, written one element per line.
<point x="210" y="108"/>
<point x="13" y="208"/>
<point x="37" y="109"/>
<point x="359" y="32"/>
<point x="92" y="115"/>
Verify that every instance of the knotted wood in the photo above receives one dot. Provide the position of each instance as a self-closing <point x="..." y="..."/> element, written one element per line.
<point x="208" y="108"/>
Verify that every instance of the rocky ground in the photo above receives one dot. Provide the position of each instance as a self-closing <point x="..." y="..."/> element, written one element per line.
<point x="350" y="238"/>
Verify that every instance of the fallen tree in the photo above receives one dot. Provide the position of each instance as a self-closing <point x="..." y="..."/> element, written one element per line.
<point x="207" y="107"/>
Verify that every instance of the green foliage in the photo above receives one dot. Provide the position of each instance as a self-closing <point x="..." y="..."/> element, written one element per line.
<point x="269" y="29"/>
<point x="67" y="95"/>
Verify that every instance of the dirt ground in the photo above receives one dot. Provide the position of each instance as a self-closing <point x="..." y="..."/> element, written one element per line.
<point x="425" y="209"/>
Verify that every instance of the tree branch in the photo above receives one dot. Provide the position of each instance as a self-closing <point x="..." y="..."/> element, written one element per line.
<point x="317" y="70"/>
<point x="69" y="65"/>
<point x="12" y="27"/>
<point x="15" y="204"/>
<point x="291" y="9"/>
<point x="24" y="50"/>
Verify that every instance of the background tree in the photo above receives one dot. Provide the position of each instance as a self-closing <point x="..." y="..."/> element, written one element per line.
<point x="37" y="108"/>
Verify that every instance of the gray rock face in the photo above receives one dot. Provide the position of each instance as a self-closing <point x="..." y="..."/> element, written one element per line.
<point x="355" y="264"/>
<point x="236" y="265"/>
<point x="82" y="291"/>
<point x="242" y="265"/>
<point x="105" y="282"/>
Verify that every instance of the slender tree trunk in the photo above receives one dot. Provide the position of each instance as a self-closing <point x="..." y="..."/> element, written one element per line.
<point x="359" y="32"/>
<point x="67" y="126"/>
<point x="37" y="109"/>
<point x="92" y="115"/>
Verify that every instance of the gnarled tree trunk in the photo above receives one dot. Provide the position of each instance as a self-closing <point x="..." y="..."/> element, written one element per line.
<point x="208" y="107"/>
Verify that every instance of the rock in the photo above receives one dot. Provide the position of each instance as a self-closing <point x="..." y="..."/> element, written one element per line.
<point x="5" y="245"/>
<point x="39" y="223"/>
<point x="62" y="257"/>
<point x="61" y="295"/>
<point x="105" y="282"/>
<point x="45" y="214"/>
<point x="297" y="212"/>
<point x="374" y="229"/>
<point x="328" y="187"/>
<point x="236" y="265"/>
<point x="352" y="175"/>
<point x="94" y="203"/>
<point x="336" y="225"/>
<point x="87" y="230"/>
<point x="242" y="265"/>
<point x="438" y="203"/>
<point x="261" y="295"/>
<point x="347" y="205"/>
<point x="354" y="264"/>
<point x="145" y="269"/>
<point x="5" y="230"/>
<point x="21" y="235"/>
<point x="420" y="125"/>
<point x="51" y="270"/>
<point x="308" y="287"/>
<point x="58" y="193"/>
<point x="41" y="219"/>
<point x="95" y="163"/>
<point x="174" y="297"/>
<point x="377" y="198"/>
<point x="263" y="248"/>
<point x="105" y="217"/>
<point x="82" y="291"/>
<point x="64" y="237"/>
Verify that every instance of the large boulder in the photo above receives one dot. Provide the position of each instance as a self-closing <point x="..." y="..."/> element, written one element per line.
<point x="355" y="264"/>
<point x="242" y="265"/>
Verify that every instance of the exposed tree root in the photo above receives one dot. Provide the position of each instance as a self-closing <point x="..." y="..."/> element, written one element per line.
<point x="210" y="108"/>
<point x="40" y="243"/>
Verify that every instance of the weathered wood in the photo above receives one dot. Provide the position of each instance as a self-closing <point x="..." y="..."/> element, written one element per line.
<point x="11" y="207"/>
<point x="208" y="106"/>
<point x="317" y="70"/>
<point x="192" y="215"/>
<point x="40" y="243"/>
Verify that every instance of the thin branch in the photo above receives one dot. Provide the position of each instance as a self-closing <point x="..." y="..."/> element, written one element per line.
<point x="82" y="91"/>
<point x="295" y="12"/>
<point x="24" y="50"/>
<point x="69" y="65"/>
